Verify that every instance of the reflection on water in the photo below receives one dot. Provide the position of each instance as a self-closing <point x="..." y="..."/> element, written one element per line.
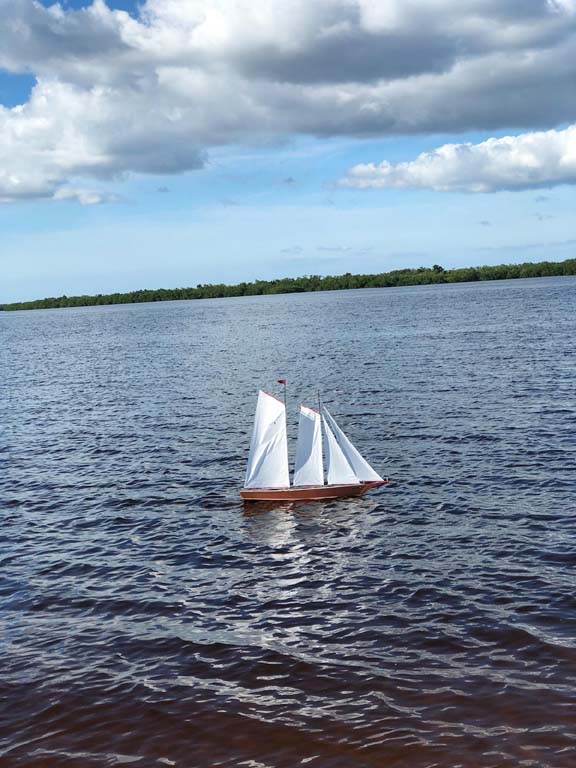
<point x="152" y="618"/>
<point x="333" y="507"/>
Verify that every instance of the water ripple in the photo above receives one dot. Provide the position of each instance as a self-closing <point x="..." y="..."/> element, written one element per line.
<point x="151" y="619"/>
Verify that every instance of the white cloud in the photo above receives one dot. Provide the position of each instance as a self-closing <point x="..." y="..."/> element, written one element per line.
<point x="528" y="161"/>
<point x="84" y="196"/>
<point x="118" y="94"/>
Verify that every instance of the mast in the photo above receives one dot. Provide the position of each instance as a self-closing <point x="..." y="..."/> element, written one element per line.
<point x="283" y="381"/>
<point x="321" y="438"/>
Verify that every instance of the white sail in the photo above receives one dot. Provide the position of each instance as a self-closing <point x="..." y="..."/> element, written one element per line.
<point x="339" y="470"/>
<point x="268" y="459"/>
<point x="362" y="469"/>
<point x="308" y="468"/>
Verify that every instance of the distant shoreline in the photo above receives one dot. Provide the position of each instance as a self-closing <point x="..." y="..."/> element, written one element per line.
<point x="311" y="283"/>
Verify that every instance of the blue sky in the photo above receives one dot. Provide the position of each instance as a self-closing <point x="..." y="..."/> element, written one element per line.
<point x="264" y="205"/>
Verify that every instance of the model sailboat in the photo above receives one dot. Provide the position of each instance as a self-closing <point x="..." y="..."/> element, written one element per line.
<point x="267" y="475"/>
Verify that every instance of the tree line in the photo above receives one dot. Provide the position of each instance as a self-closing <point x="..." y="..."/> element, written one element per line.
<point x="398" y="277"/>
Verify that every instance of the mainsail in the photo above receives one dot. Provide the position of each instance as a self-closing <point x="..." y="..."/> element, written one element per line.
<point x="362" y="470"/>
<point x="339" y="470"/>
<point x="308" y="468"/>
<point x="268" y="459"/>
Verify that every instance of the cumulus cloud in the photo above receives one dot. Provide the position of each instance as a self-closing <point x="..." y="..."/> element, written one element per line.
<point x="528" y="161"/>
<point x="120" y="94"/>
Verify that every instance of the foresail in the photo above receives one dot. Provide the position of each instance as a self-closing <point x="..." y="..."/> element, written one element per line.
<point x="362" y="469"/>
<point x="268" y="459"/>
<point x="339" y="470"/>
<point x="308" y="468"/>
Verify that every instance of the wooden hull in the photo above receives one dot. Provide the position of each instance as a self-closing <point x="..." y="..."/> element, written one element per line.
<point x="309" y="493"/>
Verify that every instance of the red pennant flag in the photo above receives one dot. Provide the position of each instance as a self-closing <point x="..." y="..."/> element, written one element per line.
<point x="281" y="381"/>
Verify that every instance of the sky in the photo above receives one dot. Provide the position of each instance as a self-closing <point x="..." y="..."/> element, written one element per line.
<point x="176" y="142"/>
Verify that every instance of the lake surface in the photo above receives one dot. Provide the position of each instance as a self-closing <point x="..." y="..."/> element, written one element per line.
<point x="151" y="619"/>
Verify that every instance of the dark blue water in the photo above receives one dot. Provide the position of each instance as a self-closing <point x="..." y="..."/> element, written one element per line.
<point x="150" y="619"/>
